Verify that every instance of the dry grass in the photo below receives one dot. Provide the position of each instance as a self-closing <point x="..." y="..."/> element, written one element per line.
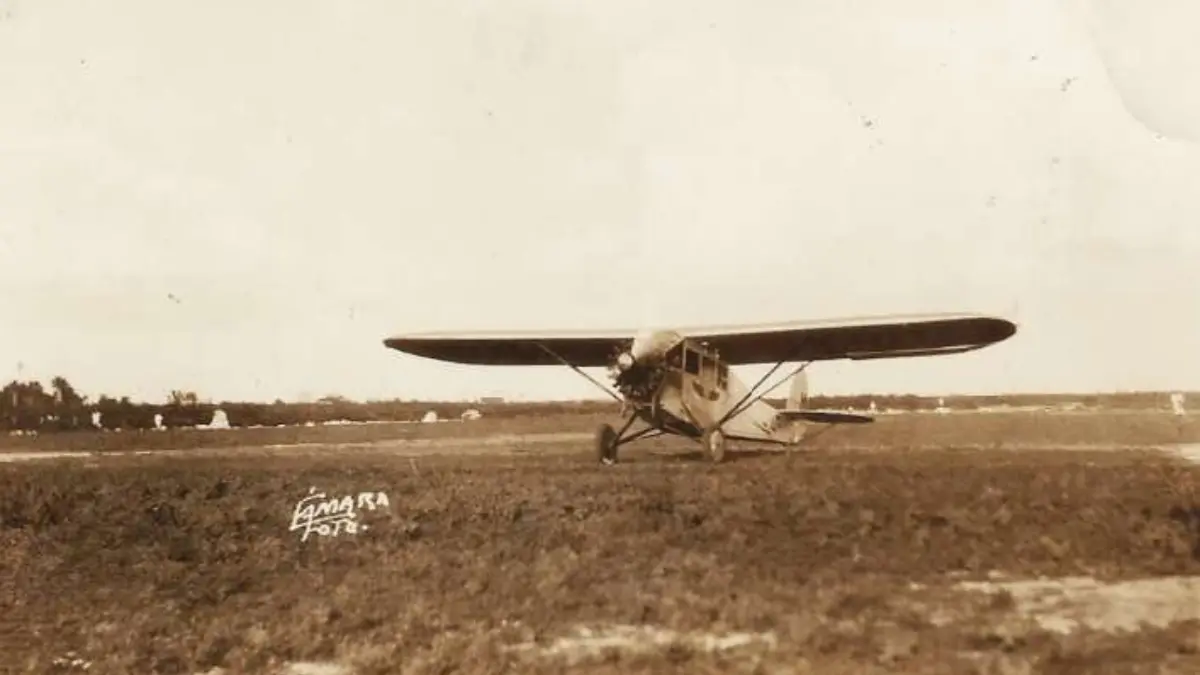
<point x="189" y="439"/>
<point x="143" y="565"/>
<point x="989" y="430"/>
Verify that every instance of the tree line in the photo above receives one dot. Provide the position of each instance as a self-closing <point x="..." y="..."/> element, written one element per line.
<point x="30" y="406"/>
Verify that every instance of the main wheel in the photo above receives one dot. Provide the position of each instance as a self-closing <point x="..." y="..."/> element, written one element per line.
<point x="713" y="442"/>
<point x="606" y="444"/>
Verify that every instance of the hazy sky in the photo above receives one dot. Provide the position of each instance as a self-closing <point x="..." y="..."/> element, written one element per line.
<point x="244" y="198"/>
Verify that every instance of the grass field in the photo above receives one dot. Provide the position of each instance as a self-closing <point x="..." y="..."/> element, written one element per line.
<point x="844" y="559"/>
<point x="993" y="430"/>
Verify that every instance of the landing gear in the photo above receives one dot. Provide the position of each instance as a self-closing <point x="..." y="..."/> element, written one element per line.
<point x="606" y="444"/>
<point x="608" y="439"/>
<point x="713" y="442"/>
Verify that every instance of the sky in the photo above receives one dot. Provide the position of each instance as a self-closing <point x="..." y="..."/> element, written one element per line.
<point x="244" y="198"/>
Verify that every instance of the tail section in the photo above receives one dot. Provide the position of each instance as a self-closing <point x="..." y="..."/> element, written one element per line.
<point x="797" y="408"/>
<point x="822" y="417"/>
<point x="798" y="397"/>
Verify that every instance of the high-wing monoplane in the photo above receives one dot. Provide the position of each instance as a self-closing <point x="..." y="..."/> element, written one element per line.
<point x="678" y="381"/>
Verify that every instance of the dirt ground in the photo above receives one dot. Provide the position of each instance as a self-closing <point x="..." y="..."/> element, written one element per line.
<point x="530" y="558"/>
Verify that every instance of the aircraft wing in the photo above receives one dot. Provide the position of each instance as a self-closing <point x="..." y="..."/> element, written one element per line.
<point x="586" y="349"/>
<point x="860" y="338"/>
<point x="878" y="337"/>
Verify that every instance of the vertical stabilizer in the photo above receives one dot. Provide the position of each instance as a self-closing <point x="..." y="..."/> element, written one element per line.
<point x="798" y="397"/>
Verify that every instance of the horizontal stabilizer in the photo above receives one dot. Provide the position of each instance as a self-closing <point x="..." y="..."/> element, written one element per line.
<point x="822" y="417"/>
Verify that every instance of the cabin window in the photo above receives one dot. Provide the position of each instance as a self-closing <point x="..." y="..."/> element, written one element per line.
<point x="691" y="362"/>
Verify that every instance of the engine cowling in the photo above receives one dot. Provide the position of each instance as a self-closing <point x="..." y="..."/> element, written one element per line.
<point x="652" y="345"/>
<point x="637" y="369"/>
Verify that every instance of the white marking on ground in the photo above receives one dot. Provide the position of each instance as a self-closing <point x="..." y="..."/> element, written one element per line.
<point x="584" y="643"/>
<point x="594" y="642"/>
<point x="1188" y="452"/>
<point x="13" y="457"/>
<point x="1063" y="605"/>
<point x="71" y="662"/>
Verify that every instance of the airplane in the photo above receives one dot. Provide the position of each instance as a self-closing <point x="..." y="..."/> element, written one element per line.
<point x="678" y="381"/>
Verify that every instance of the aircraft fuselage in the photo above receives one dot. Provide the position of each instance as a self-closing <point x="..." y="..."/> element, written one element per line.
<point x="683" y="387"/>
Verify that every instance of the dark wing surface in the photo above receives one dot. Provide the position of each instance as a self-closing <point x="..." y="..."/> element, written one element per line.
<point x="879" y="337"/>
<point x="862" y="338"/>
<point x="516" y="348"/>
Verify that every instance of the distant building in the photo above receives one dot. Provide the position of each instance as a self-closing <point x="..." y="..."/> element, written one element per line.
<point x="219" y="421"/>
<point x="1177" y="403"/>
<point x="491" y="400"/>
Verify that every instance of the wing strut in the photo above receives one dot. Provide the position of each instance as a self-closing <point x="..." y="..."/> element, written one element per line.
<point x="577" y="369"/>
<point x="750" y="398"/>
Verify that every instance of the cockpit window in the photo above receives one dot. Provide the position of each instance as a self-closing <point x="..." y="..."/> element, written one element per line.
<point x="691" y="362"/>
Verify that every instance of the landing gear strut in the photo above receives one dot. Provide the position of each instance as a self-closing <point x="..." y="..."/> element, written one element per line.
<point x="608" y="439"/>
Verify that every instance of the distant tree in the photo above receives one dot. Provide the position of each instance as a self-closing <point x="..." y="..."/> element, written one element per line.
<point x="10" y="404"/>
<point x="70" y="407"/>
<point x="183" y="398"/>
<point x="25" y="405"/>
<point x="123" y="413"/>
<point x="64" y="393"/>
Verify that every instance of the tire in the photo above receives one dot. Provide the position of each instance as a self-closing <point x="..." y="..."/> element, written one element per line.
<point x="606" y="444"/>
<point x="713" y="442"/>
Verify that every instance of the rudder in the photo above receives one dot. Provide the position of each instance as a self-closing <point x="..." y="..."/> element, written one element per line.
<point x="798" y="397"/>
